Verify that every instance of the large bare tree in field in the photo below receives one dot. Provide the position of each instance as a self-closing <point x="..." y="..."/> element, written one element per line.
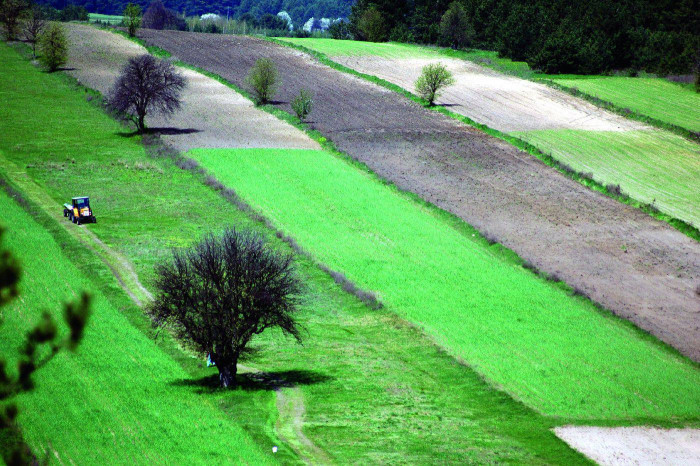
<point x="222" y="292"/>
<point x="147" y="85"/>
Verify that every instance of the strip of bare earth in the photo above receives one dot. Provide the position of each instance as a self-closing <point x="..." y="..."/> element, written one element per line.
<point x="638" y="267"/>
<point x="212" y="114"/>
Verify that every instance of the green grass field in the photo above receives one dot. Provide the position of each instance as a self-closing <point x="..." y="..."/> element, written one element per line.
<point x="654" y="166"/>
<point x="109" y="401"/>
<point x="655" y="97"/>
<point x="556" y="353"/>
<point x="109" y="19"/>
<point x="374" y="388"/>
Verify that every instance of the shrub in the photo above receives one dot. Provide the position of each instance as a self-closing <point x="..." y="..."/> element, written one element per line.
<point x="432" y="80"/>
<point x="371" y="25"/>
<point x="264" y="79"/>
<point x="132" y="18"/>
<point x="455" y="29"/>
<point x="302" y="104"/>
<point x="53" y="47"/>
<point x="339" y="30"/>
<point x="10" y="13"/>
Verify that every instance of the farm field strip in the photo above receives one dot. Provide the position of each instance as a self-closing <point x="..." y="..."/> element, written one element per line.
<point x="109" y="19"/>
<point x="361" y="372"/>
<point x="116" y="390"/>
<point x="523" y="334"/>
<point x="212" y="114"/>
<point x="632" y="264"/>
<point x="654" y="97"/>
<point x="659" y="167"/>
<point x="546" y="117"/>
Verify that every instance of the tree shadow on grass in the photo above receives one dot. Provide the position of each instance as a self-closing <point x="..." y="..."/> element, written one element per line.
<point x="169" y="131"/>
<point x="256" y="381"/>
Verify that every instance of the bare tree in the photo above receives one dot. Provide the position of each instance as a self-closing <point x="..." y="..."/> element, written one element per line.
<point x="157" y="16"/>
<point x="434" y="77"/>
<point x="132" y="18"/>
<point x="147" y="85"/>
<point x="222" y="292"/>
<point x="264" y="79"/>
<point x="33" y="27"/>
<point x="11" y="12"/>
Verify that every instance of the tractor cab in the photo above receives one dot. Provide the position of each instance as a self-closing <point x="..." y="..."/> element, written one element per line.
<point x="79" y="211"/>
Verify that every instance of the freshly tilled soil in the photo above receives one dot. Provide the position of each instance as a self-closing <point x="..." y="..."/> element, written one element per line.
<point x="640" y="268"/>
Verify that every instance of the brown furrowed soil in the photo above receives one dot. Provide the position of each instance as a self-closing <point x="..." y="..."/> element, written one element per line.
<point x="640" y="268"/>
<point x="212" y="115"/>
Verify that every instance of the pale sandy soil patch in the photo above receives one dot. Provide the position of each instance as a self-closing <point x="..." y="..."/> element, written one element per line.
<point x="634" y="445"/>
<point x="212" y="114"/>
<point x="502" y="102"/>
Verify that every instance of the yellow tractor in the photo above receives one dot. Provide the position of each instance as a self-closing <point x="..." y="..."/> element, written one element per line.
<point x="79" y="211"/>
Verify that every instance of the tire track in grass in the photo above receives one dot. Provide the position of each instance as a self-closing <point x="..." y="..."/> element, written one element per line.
<point x="288" y="399"/>
<point x="118" y="264"/>
<point x="289" y="425"/>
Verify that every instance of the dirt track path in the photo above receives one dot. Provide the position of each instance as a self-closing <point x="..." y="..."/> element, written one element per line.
<point x="640" y="268"/>
<point x="212" y="115"/>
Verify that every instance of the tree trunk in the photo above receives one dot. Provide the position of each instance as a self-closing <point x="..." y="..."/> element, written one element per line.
<point x="141" y="124"/>
<point x="227" y="375"/>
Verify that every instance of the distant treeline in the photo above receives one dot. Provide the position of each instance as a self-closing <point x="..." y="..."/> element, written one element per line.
<point x="299" y="10"/>
<point x="562" y="36"/>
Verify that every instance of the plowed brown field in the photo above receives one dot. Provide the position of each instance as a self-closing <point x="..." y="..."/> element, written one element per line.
<point x="640" y="268"/>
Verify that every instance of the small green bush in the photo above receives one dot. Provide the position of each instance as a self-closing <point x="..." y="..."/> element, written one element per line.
<point x="302" y="104"/>
<point x="132" y="18"/>
<point x="264" y="79"/>
<point x="433" y="78"/>
<point x="53" y="47"/>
